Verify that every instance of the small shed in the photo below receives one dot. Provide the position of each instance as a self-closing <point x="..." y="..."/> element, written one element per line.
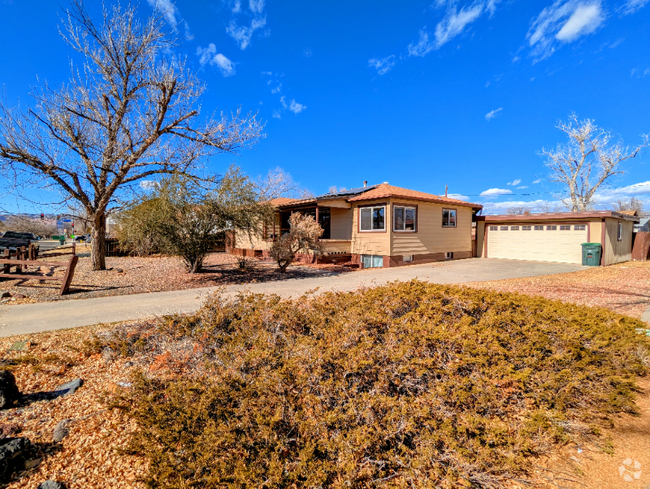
<point x="556" y="237"/>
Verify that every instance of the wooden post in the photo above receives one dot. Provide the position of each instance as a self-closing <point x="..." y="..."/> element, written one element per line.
<point x="21" y="256"/>
<point x="6" y="268"/>
<point x="274" y="227"/>
<point x="74" y="248"/>
<point x="317" y="214"/>
<point x="69" y="273"/>
<point x="31" y="252"/>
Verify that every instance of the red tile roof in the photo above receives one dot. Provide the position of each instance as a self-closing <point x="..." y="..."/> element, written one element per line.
<point x="280" y="201"/>
<point x="384" y="190"/>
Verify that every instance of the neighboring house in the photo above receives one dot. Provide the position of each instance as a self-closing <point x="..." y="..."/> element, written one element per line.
<point x="556" y="236"/>
<point x="375" y="226"/>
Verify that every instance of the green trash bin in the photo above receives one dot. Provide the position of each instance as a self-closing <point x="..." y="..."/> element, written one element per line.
<point x="591" y="254"/>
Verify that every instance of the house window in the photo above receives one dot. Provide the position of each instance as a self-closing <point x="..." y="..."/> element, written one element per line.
<point x="494" y="228"/>
<point x="620" y="232"/>
<point x="514" y="228"/>
<point x="551" y="228"/>
<point x="526" y="228"/>
<point x="404" y="218"/>
<point x="539" y="228"/>
<point x="373" y="218"/>
<point x="579" y="227"/>
<point x="504" y="228"/>
<point x="449" y="218"/>
<point x="565" y="228"/>
<point x="407" y="258"/>
<point x="449" y="255"/>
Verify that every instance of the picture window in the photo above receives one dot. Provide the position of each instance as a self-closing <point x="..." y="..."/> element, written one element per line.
<point x="373" y="218"/>
<point x="404" y="218"/>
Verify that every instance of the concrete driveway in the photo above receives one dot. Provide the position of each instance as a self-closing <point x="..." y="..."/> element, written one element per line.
<point x="47" y="316"/>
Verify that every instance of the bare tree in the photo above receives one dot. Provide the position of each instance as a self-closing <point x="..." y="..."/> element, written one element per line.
<point x="633" y="204"/>
<point x="129" y="114"/>
<point x="586" y="162"/>
<point x="518" y="210"/>
<point x="278" y="183"/>
<point x="303" y="237"/>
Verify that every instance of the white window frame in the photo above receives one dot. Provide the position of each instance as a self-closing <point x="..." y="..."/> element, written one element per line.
<point x="372" y="221"/>
<point x="619" y="234"/>
<point x="415" y="218"/>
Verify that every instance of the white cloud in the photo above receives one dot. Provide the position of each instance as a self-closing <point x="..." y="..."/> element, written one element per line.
<point x="495" y="192"/>
<point x="236" y="8"/>
<point x="523" y="186"/>
<point x="515" y="182"/>
<point x="564" y="21"/>
<point x="283" y="102"/>
<point x="277" y="89"/>
<point x="226" y="66"/>
<point x="307" y="53"/>
<point x="256" y="6"/>
<point x="584" y="20"/>
<point x="276" y="114"/>
<point x="423" y="46"/>
<point x="492" y="114"/>
<point x="639" y="72"/>
<point x="383" y="65"/>
<point x="458" y="196"/>
<point x="455" y="22"/>
<point x="147" y="184"/>
<point x="167" y="9"/>
<point x="296" y="108"/>
<point x="535" y="206"/>
<point x="210" y="56"/>
<point x="539" y="180"/>
<point x="243" y="34"/>
<point x="631" y="6"/>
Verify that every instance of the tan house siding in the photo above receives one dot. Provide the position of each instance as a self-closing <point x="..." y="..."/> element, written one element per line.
<point x="431" y="237"/>
<point x="617" y="251"/>
<point x="374" y="242"/>
<point x="341" y="223"/>
<point x="255" y="241"/>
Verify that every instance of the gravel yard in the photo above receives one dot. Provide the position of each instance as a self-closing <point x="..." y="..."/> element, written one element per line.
<point x="134" y="275"/>
<point x="624" y="288"/>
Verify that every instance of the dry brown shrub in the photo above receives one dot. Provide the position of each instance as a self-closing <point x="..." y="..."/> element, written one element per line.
<point x="406" y="385"/>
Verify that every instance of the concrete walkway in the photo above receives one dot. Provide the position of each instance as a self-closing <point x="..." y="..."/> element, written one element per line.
<point x="47" y="316"/>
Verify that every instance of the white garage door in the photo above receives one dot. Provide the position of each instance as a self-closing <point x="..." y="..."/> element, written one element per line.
<point x="541" y="242"/>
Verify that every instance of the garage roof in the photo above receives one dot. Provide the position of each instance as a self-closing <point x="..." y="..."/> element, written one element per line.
<point x="558" y="216"/>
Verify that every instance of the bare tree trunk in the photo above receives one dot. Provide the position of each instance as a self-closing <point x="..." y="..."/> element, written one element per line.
<point x="98" y="254"/>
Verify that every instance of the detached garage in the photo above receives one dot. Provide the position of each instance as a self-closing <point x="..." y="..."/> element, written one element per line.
<point x="556" y="237"/>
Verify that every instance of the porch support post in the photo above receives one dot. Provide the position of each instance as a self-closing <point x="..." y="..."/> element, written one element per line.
<point x="273" y="227"/>
<point x="316" y="213"/>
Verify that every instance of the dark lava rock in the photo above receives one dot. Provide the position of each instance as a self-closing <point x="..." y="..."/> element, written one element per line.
<point x="9" y="393"/>
<point x="14" y="453"/>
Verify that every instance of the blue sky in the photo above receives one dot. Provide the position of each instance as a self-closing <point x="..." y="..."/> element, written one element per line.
<point x="421" y="94"/>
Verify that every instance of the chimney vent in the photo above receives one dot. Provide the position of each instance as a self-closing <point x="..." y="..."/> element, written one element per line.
<point x="365" y="183"/>
<point x="445" y="190"/>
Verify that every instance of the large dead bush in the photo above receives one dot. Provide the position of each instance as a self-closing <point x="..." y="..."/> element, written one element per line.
<point x="406" y="385"/>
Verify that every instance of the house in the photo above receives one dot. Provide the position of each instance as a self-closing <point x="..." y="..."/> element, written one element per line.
<point x="375" y="226"/>
<point x="556" y="236"/>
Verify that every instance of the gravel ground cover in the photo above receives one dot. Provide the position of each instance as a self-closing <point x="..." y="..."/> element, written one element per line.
<point x="92" y="454"/>
<point x="135" y="275"/>
<point x="624" y="288"/>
